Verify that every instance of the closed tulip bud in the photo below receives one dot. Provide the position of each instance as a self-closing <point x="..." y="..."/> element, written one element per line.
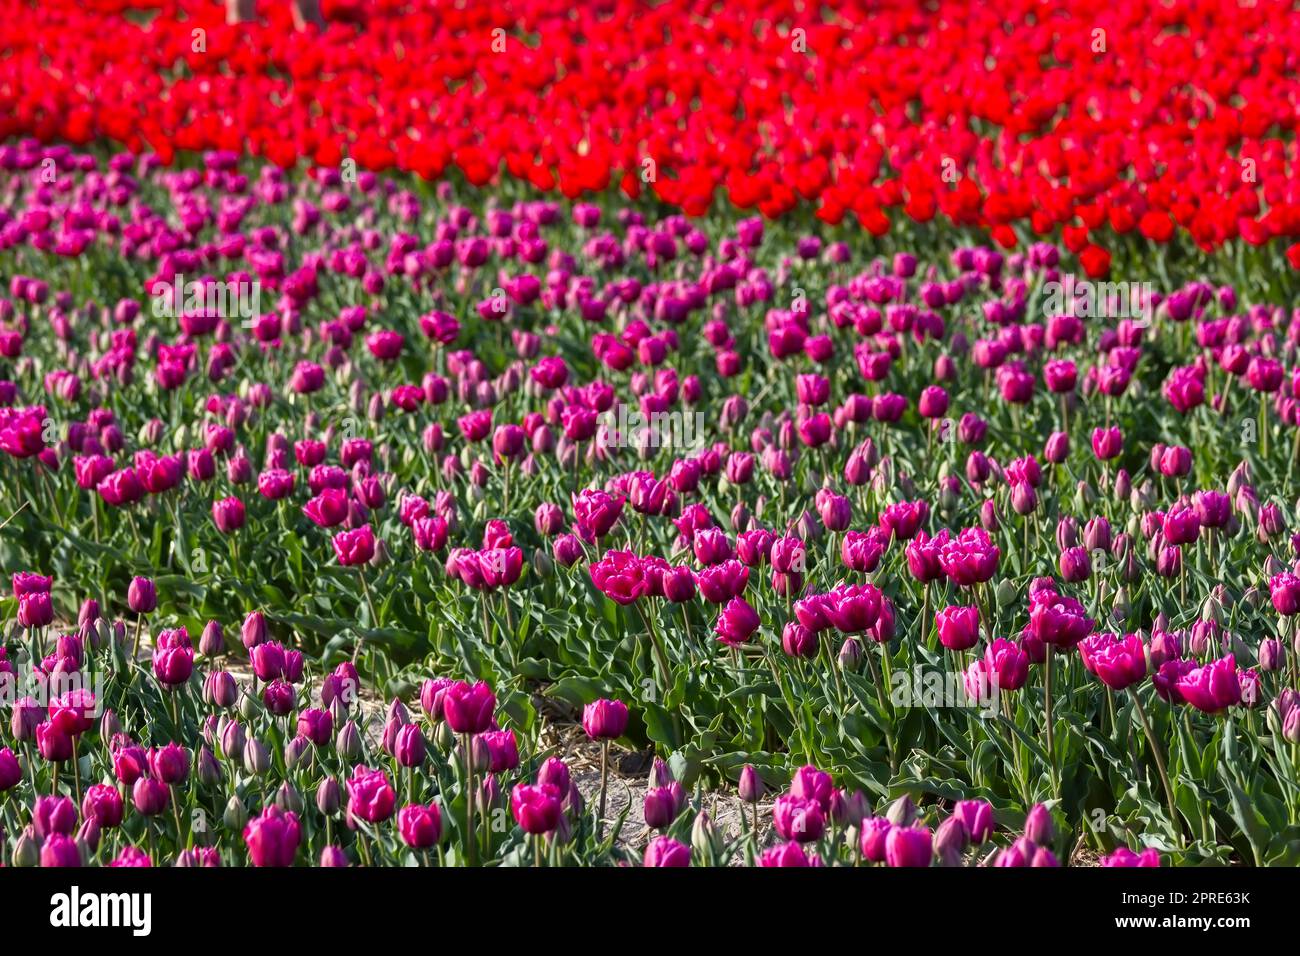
<point x="109" y="725"/>
<point x="257" y="759"/>
<point x="1039" y="827"/>
<point x="489" y="795"/>
<point x="563" y="832"/>
<point x="874" y="832"/>
<point x="298" y="751"/>
<point x="253" y="631"/>
<point x="1096" y="534"/>
<point x="288" y="799"/>
<point x="89" y="612"/>
<point x="662" y="805"/>
<point x="219" y="689"/>
<point x="1023" y="498"/>
<point x="950" y="842"/>
<point x="408" y="746"/>
<point x="25" y="717"/>
<point x="149" y="796"/>
<point x="574" y="802"/>
<point x="1121" y="606"/>
<point x="1255" y="598"/>
<point x="232" y="739"/>
<point x="543" y="563"/>
<point x="856" y="808"/>
<point x="443" y="736"/>
<point x="213" y="641"/>
<point x="94" y="633"/>
<point x="480" y="754"/>
<point x="1075" y="565"/>
<point x="141" y="597"/>
<point x="1272" y="654"/>
<point x="1057" y="448"/>
<point x="27" y="851"/>
<point x="1123" y="486"/>
<point x="605" y="719"/>
<point x="209" y="773"/>
<point x="1067" y="533"/>
<point x="705" y="839"/>
<point x="660" y="774"/>
<point x="1005" y="593"/>
<point x="751" y="785"/>
<point x="348" y="742"/>
<point x="381" y="557"/>
<point x="740" y="518"/>
<point x="235" y="816"/>
<point x="1291" y="726"/>
<point x="249" y="708"/>
<point x="902" y="812"/>
<point x="1043" y="857"/>
<point x="329" y="797"/>
<point x="850" y="655"/>
<point x="1142" y="498"/>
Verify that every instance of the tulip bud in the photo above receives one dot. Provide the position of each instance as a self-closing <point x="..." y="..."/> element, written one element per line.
<point x="543" y="564"/>
<point x="27" y="851"/>
<point x="219" y="689"/>
<point x="213" y="641"/>
<point x="902" y="812"/>
<point x="950" y="841"/>
<point x="348" y="742"/>
<point x="209" y="773"/>
<point x="1272" y="654"/>
<point x="660" y="774"/>
<point x="1084" y="496"/>
<point x="288" y="799"/>
<point x="575" y="803"/>
<point x="1291" y="726"/>
<point x="751" y="784"/>
<point x="1023" y="498"/>
<point x="109" y="725"/>
<point x="297" y="751"/>
<point x="235" y="816"/>
<point x="253" y="631"/>
<point x="489" y="795"/>
<point x="1121" y="606"/>
<point x="1123" y="486"/>
<point x="1212" y="610"/>
<point x="850" y="656"/>
<point x="257" y="759"/>
<point x="328" y="797"/>
<point x="444" y="736"/>
<point x="704" y="837"/>
<point x="89" y="612"/>
<point x="231" y="739"/>
<point x="1039" y="827"/>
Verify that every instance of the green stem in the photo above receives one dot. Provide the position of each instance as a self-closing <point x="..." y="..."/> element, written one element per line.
<point x="1160" y="761"/>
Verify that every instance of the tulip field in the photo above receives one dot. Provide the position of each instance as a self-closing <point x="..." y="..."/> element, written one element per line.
<point x="505" y="437"/>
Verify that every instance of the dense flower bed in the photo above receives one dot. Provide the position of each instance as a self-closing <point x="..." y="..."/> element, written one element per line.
<point x="1028" y="118"/>
<point x="761" y="501"/>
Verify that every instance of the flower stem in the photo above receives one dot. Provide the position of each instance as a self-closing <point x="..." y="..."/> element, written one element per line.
<point x="471" y="843"/>
<point x="1047" y="717"/>
<point x="1160" y="761"/>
